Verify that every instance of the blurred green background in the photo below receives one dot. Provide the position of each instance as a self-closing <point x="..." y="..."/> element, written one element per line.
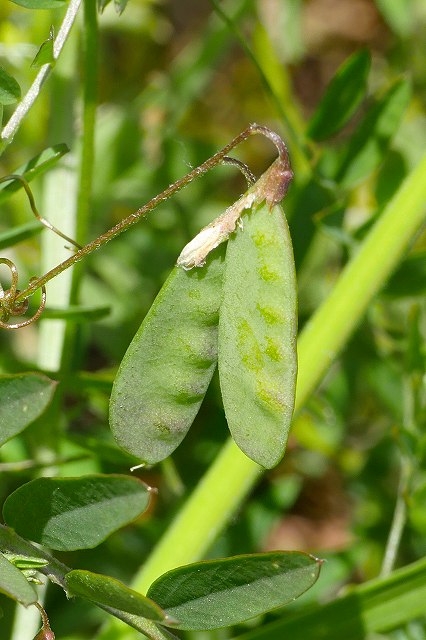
<point x="175" y="83"/>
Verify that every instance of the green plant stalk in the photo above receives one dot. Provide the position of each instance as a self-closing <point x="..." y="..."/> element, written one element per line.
<point x="231" y="477"/>
<point x="15" y="121"/>
<point x="407" y="470"/>
<point x="90" y="82"/>
<point x="288" y="117"/>
<point x="90" y="45"/>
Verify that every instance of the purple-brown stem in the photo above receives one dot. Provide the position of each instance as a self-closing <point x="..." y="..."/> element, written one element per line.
<point x="127" y="222"/>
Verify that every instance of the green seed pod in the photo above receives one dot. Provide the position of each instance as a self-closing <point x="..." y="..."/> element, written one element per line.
<point x="168" y="366"/>
<point x="257" y="335"/>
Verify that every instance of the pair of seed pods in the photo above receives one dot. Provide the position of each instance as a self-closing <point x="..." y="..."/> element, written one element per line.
<point x="229" y="305"/>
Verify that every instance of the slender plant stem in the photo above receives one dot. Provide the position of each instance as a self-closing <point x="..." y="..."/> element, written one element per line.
<point x="126" y="223"/>
<point x="300" y="151"/>
<point x="90" y="82"/>
<point x="399" y="518"/>
<point x="28" y="100"/>
<point x="398" y="521"/>
<point x="89" y="43"/>
<point x="231" y="476"/>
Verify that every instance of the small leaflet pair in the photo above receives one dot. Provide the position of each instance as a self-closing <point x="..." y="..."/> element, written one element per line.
<point x="237" y="309"/>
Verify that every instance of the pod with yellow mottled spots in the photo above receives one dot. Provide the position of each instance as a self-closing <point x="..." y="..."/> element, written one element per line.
<point x="257" y="335"/>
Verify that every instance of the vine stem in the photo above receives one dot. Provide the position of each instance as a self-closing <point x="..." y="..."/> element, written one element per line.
<point x="292" y="124"/>
<point x="124" y="224"/>
<point x="28" y="100"/>
<point x="406" y="472"/>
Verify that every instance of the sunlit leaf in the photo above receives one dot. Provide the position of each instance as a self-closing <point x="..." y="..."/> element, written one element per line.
<point x="219" y="593"/>
<point x="24" y="397"/>
<point x="75" y="513"/>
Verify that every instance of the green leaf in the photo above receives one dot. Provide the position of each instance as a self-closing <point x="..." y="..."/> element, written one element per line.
<point x="75" y="513"/>
<point x="220" y="593"/>
<point x="102" y="4"/>
<point x="40" y="4"/>
<point x="14" y="584"/>
<point x="120" y="5"/>
<point x="76" y="313"/>
<point x="24" y="397"/>
<point x="342" y="97"/>
<point x="10" y="91"/>
<point x="257" y="335"/>
<point x="399" y="14"/>
<point x="45" y="53"/>
<point x="369" y="144"/>
<point x="33" y="168"/>
<point x="168" y="366"/>
<point x="18" y="234"/>
<point x="112" y="593"/>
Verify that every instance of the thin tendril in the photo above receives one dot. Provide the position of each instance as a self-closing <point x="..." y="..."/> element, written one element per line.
<point x="10" y="306"/>
<point x="9" y="300"/>
<point x="245" y="169"/>
<point x="46" y="223"/>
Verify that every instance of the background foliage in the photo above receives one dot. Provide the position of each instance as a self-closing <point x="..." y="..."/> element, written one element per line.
<point x="175" y="82"/>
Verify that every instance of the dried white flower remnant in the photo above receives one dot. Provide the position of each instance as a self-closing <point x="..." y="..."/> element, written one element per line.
<point x="271" y="186"/>
<point x="194" y="254"/>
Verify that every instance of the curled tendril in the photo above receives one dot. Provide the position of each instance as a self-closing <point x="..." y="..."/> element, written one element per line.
<point x="46" y="223"/>
<point x="9" y="307"/>
<point x="245" y="170"/>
